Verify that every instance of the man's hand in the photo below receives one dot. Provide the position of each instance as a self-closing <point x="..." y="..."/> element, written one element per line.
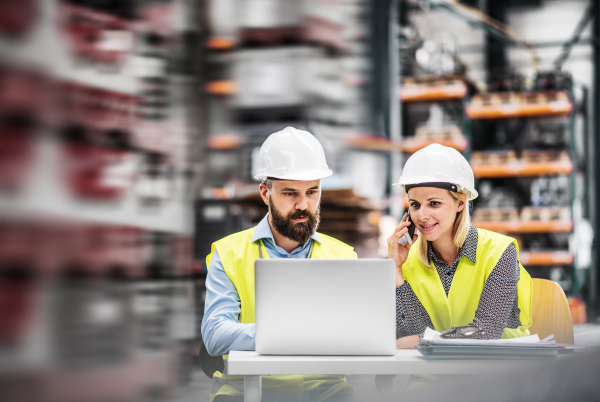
<point x="397" y="251"/>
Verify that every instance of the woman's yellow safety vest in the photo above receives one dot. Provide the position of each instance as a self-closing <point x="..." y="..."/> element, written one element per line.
<point x="458" y="308"/>
<point x="238" y="254"/>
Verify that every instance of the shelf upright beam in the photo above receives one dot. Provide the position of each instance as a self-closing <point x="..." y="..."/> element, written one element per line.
<point x="595" y="199"/>
<point x="496" y="59"/>
<point x="385" y="86"/>
<point x="202" y="114"/>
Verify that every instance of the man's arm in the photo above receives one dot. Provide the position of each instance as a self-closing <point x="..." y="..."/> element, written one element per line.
<point x="221" y="329"/>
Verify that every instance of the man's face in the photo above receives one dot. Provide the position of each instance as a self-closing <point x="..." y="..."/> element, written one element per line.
<point x="294" y="207"/>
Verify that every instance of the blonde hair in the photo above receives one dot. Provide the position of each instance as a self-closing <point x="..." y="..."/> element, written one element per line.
<point x="460" y="230"/>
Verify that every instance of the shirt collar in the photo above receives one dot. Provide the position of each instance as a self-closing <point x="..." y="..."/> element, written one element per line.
<point x="469" y="248"/>
<point x="263" y="231"/>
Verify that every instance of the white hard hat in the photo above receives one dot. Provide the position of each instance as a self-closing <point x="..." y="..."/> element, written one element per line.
<point x="440" y="166"/>
<point x="292" y="154"/>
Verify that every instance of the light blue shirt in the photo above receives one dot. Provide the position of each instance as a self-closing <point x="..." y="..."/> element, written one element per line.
<point x="221" y="328"/>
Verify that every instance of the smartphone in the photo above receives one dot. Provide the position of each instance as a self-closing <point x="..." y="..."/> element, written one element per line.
<point x="407" y="238"/>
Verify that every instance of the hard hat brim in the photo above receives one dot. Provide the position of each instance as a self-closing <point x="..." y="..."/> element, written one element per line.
<point x="298" y="177"/>
<point x="471" y="192"/>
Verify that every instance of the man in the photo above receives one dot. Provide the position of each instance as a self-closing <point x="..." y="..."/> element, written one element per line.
<point x="291" y="165"/>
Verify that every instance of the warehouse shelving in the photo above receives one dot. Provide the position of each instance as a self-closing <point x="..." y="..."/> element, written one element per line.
<point x="121" y="233"/>
<point x="444" y="98"/>
<point x="405" y="203"/>
<point x="498" y="106"/>
<point x="520" y="169"/>
<point x="307" y="70"/>
<point x="221" y="87"/>
<point x="451" y="90"/>
<point x="373" y="143"/>
<point x="46" y="195"/>
<point x="533" y="226"/>
<point x="221" y="43"/>
<point x="532" y="164"/>
<point x="546" y="258"/>
<point x="224" y="141"/>
<point x="412" y="145"/>
<point x="409" y="145"/>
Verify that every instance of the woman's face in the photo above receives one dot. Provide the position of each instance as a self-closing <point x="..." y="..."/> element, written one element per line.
<point x="433" y="210"/>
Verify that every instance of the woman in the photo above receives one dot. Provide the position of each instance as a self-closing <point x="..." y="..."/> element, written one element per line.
<point x="453" y="277"/>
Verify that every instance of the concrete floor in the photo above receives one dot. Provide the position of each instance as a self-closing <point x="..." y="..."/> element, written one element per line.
<point x="198" y="390"/>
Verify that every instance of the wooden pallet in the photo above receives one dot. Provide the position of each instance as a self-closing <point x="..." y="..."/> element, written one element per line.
<point x="545" y="213"/>
<point x="425" y="133"/>
<point x="493" y="158"/>
<point x="516" y="104"/>
<point x="496" y="214"/>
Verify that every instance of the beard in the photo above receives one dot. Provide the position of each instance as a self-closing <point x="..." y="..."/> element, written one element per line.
<point x="299" y="232"/>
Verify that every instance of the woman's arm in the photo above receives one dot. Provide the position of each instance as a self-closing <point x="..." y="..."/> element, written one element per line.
<point x="498" y="307"/>
<point x="408" y="342"/>
<point x="411" y="316"/>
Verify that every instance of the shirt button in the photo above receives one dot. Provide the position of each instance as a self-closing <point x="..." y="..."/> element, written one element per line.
<point x="289" y="255"/>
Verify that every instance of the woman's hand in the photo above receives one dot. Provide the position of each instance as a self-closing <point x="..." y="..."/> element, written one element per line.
<point x="397" y="251"/>
<point x="408" y="342"/>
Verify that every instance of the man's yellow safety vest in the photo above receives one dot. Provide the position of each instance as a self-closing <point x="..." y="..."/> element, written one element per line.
<point x="238" y="254"/>
<point x="458" y="308"/>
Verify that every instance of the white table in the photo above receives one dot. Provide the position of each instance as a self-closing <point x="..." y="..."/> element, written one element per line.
<point x="406" y="361"/>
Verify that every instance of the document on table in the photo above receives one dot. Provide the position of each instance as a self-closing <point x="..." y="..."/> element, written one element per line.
<point x="434" y="346"/>
<point x="532" y="341"/>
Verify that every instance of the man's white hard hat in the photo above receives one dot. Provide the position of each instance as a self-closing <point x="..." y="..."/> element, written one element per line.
<point x="292" y="154"/>
<point x="439" y="166"/>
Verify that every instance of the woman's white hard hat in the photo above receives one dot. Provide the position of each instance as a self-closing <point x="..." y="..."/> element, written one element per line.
<point x="437" y="164"/>
<point x="292" y="154"/>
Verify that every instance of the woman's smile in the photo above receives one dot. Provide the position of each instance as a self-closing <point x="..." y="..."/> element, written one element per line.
<point x="428" y="228"/>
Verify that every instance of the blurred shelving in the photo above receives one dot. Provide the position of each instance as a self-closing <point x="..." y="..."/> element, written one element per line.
<point x="373" y="143"/>
<point x="224" y="141"/>
<point x="519" y="226"/>
<point x="435" y="91"/>
<point x="546" y="258"/>
<point x="222" y="87"/>
<point x="102" y="201"/>
<point x="505" y="105"/>
<point x="520" y="168"/>
<point x="412" y="145"/>
<point x="221" y="43"/>
<point x="409" y="145"/>
<point x="433" y="112"/>
<point x="405" y="203"/>
<point x="432" y="87"/>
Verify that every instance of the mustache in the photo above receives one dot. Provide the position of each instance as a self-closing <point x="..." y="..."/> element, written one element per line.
<point x="299" y="214"/>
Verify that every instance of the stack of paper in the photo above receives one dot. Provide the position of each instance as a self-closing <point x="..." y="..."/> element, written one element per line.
<point x="433" y="345"/>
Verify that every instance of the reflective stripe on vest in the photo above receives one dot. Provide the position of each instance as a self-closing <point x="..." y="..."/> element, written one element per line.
<point x="238" y="254"/>
<point x="458" y="308"/>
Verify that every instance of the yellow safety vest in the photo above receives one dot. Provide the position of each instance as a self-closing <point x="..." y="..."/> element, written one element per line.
<point x="458" y="308"/>
<point x="238" y="254"/>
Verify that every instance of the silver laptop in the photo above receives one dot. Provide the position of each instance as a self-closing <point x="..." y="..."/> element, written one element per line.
<point x="325" y="307"/>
